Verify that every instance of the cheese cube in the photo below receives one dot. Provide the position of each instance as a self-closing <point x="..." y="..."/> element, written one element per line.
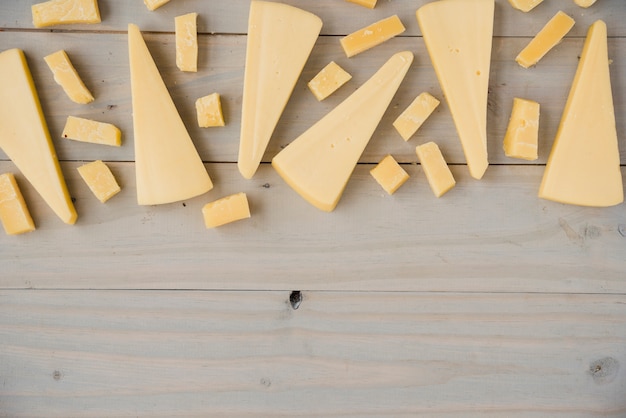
<point x="209" y="111"/>
<point x="521" y="138"/>
<point x="225" y="210"/>
<point x="13" y="211"/>
<point x="415" y="115"/>
<point x="154" y="4"/>
<point x="372" y="35"/>
<point x="85" y="130"/>
<point x="584" y="3"/>
<point x="99" y="179"/>
<point x="547" y="38"/>
<point x="389" y="174"/>
<point x="365" y="3"/>
<point x="187" y="42"/>
<point x="328" y="80"/>
<point x="437" y="171"/>
<point x="61" y="12"/>
<point x="525" y="5"/>
<point x="66" y="76"/>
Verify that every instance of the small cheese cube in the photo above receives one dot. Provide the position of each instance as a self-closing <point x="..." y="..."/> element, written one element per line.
<point x="209" y="111"/>
<point x="522" y="134"/>
<point x="154" y="4"/>
<point x="389" y="174"/>
<point x="414" y="116"/>
<point x="584" y="3"/>
<point x="66" y="76"/>
<point x="99" y="179"/>
<point x="547" y="38"/>
<point x="86" y="130"/>
<point x="62" y="12"/>
<point x="525" y="5"/>
<point x="437" y="171"/>
<point x="372" y="35"/>
<point x="366" y="3"/>
<point x="328" y="80"/>
<point x="13" y="211"/>
<point x="187" y="42"/>
<point x="225" y="210"/>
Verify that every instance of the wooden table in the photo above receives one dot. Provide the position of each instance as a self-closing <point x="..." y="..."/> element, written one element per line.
<point x="486" y="302"/>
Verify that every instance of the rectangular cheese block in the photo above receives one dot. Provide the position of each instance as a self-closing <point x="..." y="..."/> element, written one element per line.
<point x="226" y="210"/>
<point x="67" y="77"/>
<point x="370" y="4"/>
<point x="14" y="213"/>
<point x="63" y="12"/>
<point x="187" y="42"/>
<point x="547" y="38"/>
<point x="372" y="35"/>
<point x="154" y="4"/>
<point x="522" y="134"/>
<point x="100" y="180"/>
<point x="209" y="111"/>
<point x="389" y="174"/>
<point x="328" y="80"/>
<point x="437" y="171"/>
<point x="415" y="115"/>
<point x="86" y="130"/>
<point x="525" y="5"/>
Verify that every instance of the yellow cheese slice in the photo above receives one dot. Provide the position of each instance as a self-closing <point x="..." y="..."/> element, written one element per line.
<point x="187" y="42"/>
<point x="415" y="115"/>
<point x="318" y="164"/>
<point x="209" y="111"/>
<point x="328" y="80"/>
<point x="366" y="3"/>
<point x="458" y="36"/>
<point x="14" y="213"/>
<point x="525" y="5"/>
<point x="24" y="134"/>
<point x="280" y="40"/>
<point x="154" y="4"/>
<point x="226" y="210"/>
<point x="584" y="3"/>
<point x="372" y="35"/>
<point x="168" y="166"/>
<point x="547" y="38"/>
<point x="67" y="77"/>
<point x="100" y="180"/>
<point x="584" y="164"/>
<point x="63" y="12"/>
<point x="85" y="130"/>
<point x="434" y="165"/>
<point x="522" y="134"/>
<point x="389" y="174"/>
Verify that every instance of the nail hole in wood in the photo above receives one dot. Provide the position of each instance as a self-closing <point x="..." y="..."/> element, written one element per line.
<point x="56" y="375"/>
<point x="604" y="370"/>
<point x="295" y="299"/>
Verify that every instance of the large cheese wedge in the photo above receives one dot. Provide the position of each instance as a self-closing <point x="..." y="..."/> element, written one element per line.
<point x="458" y="36"/>
<point x="24" y="134"/>
<point x="584" y="164"/>
<point x="168" y="166"/>
<point x="280" y="40"/>
<point x="318" y="164"/>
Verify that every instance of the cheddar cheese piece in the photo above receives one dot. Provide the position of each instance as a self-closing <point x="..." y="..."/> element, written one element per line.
<point x="458" y="36"/>
<point x="63" y="12"/>
<point x="584" y="164"/>
<point x="525" y="5"/>
<point x="584" y="3"/>
<point x="328" y="80"/>
<point x="370" y="4"/>
<point x="187" y="42"/>
<point x="24" y="134"/>
<point x="168" y="167"/>
<point x="415" y="115"/>
<point x="318" y="164"/>
<point x="14" y="213"/>
<point x="434" y="165"/>
<point x="226" y="210"/>
<point x="100" y="180"/>
<point x="547" y="38"/>
<point x="85" y="130"/>
<point x="372" y="35"/>
<point x="280" y="39"/>
<point x="154" y="4"/>
<point x="209" y="111"/>
<point x="67" y="77"/>
<point x="522" y="134"/>
<point x="389" y="174"/>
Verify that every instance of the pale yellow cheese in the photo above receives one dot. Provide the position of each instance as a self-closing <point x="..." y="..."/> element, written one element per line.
<point x="209" y="111"/>
<point x="280" y="40"/>
<point x="522" y="135"/>
<point x="585" y="3"/>
<point x="86" y="130"/>
<point x="14" y="213"/>
<point x="154" y="4"/>
<point x="187" y="42"/>
<point x="389" y="174"/>
<point x="226" y="210"/>
<point x="24" y="135"/>
<point x="547" y="38"/>
<point x="584" y="164"/>
<point x="415" y="115"/>
<point x="525" y="5"/>
<point x="434" y="165"/>
<point x="372" y="35"/>
<point x="366" y="3"/>
<point x="100" y="180"/>
<point x="328" y="80"/>
<point x="318" y="164"/>
<point x="458" y="36"/>
<point x="63" y="12"/>
<point x="168" y="167"/>
<point x="67" y="77"/>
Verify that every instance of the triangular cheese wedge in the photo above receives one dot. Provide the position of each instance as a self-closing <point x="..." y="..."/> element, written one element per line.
<point x="458" y="36"/>
<point x="584" y="165"/>
<point x="24" y="134"/>
<point x="280" y="40"/>
<point x="318" y="164"/>
<point x="168" y="166"/>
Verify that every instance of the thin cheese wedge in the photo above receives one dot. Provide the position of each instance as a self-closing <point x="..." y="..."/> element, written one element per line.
<point x="100" y="180"/>
<point x="389" y="174"/>
<point x="167" y="163"/>
<point x="318" y="164"/>
<point x="370" y="4"/>
<point x="152" y="5"/>
<point x="328" y="80"/>
<point x="584" y="3"/>
<point x="458" y="36"/>
<point x="584" y="164"/>
<point x="415" y="115"/>
<point x="372" y="35"/>
<point x="547" y="38"/>
<point x="280" y="40"/>
<point x="226" y="210"/>
<point x="67" y="77"/>
<point x="522" y="134"/>
<point x="14" y="213"/>
<point x="86" y="130"/>
<point x="209" y="111"/>
<point x="187" y="42"/>
<point x="24" y="134"/>
<point x="434" y="165"/>
<point x="64" y="12"/>
<point x="525" y="5"/>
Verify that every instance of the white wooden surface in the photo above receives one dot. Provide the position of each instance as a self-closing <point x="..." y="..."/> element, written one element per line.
<point x="486" y="302"/>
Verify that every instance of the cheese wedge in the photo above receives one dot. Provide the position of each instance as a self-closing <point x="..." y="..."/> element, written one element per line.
<point x="14" y="213"/>
<point x="372" y="35"/>
<point x="280" y="40"/>
<point x="328" y="80"/>
<point x="584" y="3"/>
<point x="67" y="77"/>
<point x="584" y="164"/>
<point x="209" y="111"/>
<point x="226" y="210"/>
<point x="85" y="130"/>
<point x="547" y="38"/>
<point x="525" y="5"/>
<point x="370" y="4"/>
<point x="187" y="42"/>
<point x="389" y="174"/>
<point x="167" y="164"/>
<point x="434" y="165"/>
<point x="522" y="134"/>
<point x="64" y="12"/>
<point x="415" y="115"/>
<point x="154" y="4"/>
<point x="100" y="180"/>
<point x="24" y="134"/>
<point x="458" y="36"/>
<point x="318" y="164"/>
